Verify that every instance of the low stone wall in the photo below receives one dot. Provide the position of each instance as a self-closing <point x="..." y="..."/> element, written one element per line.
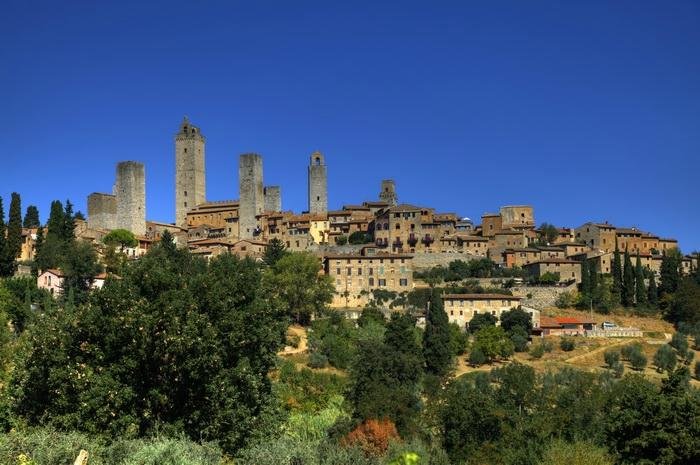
<point x="424" y="261"/>
<point x="540" y="297"/>
<point x="620" y="332"/>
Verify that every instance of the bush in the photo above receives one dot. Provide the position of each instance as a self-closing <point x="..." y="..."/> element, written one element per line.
<point x="638" y="360"/>
<point x="560" y="452"/>
<point x="459" y="340"/>
<point x="612" y="358"/>
<point x="630" y="349"/>
<point x="293" y="340"/>
<point x="618" y="370"/>
<point x="537" y="351"/>
<point x="680" y="343"/>
<point x="477" y="357"/>
<point x="341" y="240"/>
<point x="372" y="436"/>
<point x="567" y="344"/>
<point x="665" y="358"/>
<point x="359" y="237"/>
<point x="567" y="299"/>
<point x="697" y="370"/>
<point x="318" y="360"/>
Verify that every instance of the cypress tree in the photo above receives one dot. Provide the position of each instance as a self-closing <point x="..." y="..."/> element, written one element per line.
<point x="585" y="287"/>
<point x="436" y="338"/>
<point x="670" y="274"/>
<point x="14" y="228"/>
<point x="68" y="222"/>
<point x="640" y="289"/>
<point x="3" y="244"/>
<point x="616" y="273"/>
<point x="593" y="283"/>
<point x="56" y="223"/>
<point x="31" y="217"/>
<point x="627" y="282"/>
<point x="38" y="243"/>
<point x="653" y="292"/>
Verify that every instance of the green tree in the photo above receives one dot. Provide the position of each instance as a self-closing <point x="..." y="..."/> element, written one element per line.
<point x="493" y="343"/>
<point x="359" y="237"/>
<point x="341" y="240"/>
<point x="670" y="271"/>
<point x="5" y="263"/>
<point x="436" y="338"/>
<point x="665" y="359"/>
<point x="459" y="340"/>
<point x="653" y="292"/>
<point x="612" y="358"/>
<point x="481" y="320"/>
<point x="547" y="234"/>
<point x="14" y="230"/>
<point x="679" y="341"/>
<point x="640" y="289"/>
<point x="516" y="317"/>
<point x="274" y="251"/>
<point x="627" y="282"/>
<point x="371" y="314"/>
<point x="638" y="360"/>
<point x="616" y="274"/>
<point x="685" y="304"/>
<point x="120" y="238"/>
<point x="298" y="285"/>
<point x="80" y="268"/>
<point x="585" y="287"/>
<point x="68" y="226"/>
<point x="31" y="217"/>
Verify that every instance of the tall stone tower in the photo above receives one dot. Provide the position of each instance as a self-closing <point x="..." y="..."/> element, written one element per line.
<point x="190" y="182"/>
<point x="131" y="197"/>
<point x="273" y="198"/>
<point x="102" y="210"/>
<point x="318" y="184"/>
<point x="252" y="195"/>
<point x="388" y="192"/>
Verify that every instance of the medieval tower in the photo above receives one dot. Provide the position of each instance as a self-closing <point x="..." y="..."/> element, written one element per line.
<point x="190" y="183"/>
<point x="102" y="211"/>
<point x="130" y="190"/>
<point x="318" y="184"/>
<point x="273" y="198"/>
<point x="252" y="195"/>
<point x="388" y="192"/>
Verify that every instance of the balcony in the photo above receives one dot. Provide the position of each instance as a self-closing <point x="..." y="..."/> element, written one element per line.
<point x="427" y="240"/>
<point x="412" y="240"/>
<point x="382" y="242"/>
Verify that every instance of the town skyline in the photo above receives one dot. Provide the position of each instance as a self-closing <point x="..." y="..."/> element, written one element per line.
<point x="531" y="106"/>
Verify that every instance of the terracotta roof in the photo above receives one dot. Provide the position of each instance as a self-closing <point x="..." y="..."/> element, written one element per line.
<point x="359" y="256"/>
<point x="555" y="260"/>
<point x="481" y="296"/>
<point x="546" y="322"/>
<point x="571" y="320"/>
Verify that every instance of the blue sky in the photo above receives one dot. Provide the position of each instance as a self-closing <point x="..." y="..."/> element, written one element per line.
<point x="586" y="110"/>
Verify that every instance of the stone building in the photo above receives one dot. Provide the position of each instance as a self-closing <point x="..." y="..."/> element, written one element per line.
<point x="273" y="198"/>
<point x="131" y="197"/>
<point x="102" y="211"/>
<point x="461" y="308"/>
<point x="517" y="216"/>
<point x="190" y="181"/>
<point x="568" y="270"/>
<point x="318" y="184"/>
<point x="388" y="193"/>
<point x="215" y="214"/>
<point x="251" y="194"/>
<point x="356" y="275"/>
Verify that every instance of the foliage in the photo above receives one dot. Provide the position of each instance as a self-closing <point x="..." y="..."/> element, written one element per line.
<point x="307" y="391"/>
<point x="638" y="360"/>
<point x="359" y="237"/>
<point x="612" y="358"/>
<point x="177" y="344"/>
<point x="335" y="338"/>
<point x="560" y="452"/>
<point x="516" y="317"/>
<point x="274" y="251"/>
<point x="627" y="350"/>
<point x="670" y="271"/>
<point x="537" y="351"/>
<point x="437" y="349"/>
<point x="481" y="320"/>
<point x="697" y="370"/>
<point x="372" y="436"/>
<point x="616" y="273"/>
<point x="685" y="304"/>
<point x="493" y="343"/>
<point x="679" y="341"/>
<point x="31" y="217"/>
<point x="121" y="238"/>
<point x="627" y="291"/>
<point x="80" y="266"/>
<point x="459" y="340"/>
<point x="568" y="299"/>
<point x="640" y="290"/>
<point x="547" y="234"/>
<point x="477" y="357"/>
<point x="371" y="314"/>
<point x="547" y="278"/>
<point x="459" y="270"/>
<point x="665" y="358"/>
<point x="341" y="240"/>
<point x="6" y="263"/>
<point x="318" y="360"/>
<point x="567" y="344"/>
<point x="519" y="338"/>
<point x="296" y="282"/>
<point x="13" y="245"/>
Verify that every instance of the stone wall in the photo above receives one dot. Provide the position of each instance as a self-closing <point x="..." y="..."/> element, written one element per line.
<point x="424" y="261"/>
<point x="252" y="197"/>
<point x="273" y="198"/>
<point x="102" y="211"/>
<point x="131" y="197"/>
<point x="541" y="297"/>
<point x="318" y="184"/>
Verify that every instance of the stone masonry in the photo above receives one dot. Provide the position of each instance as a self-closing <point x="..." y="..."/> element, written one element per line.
<point x="190" y="181"/>
<point x="273" y="198"/>
<point x="102" y="210"/>
<point x="388" y="192"/>
<point x="252" y="196"/>
<point x="131" y="197"/>
<point x="318" y="184"/>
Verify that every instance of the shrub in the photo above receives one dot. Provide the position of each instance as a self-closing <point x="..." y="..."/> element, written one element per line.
<point x="612" y="358"/>
<point x="548" y="346"/>
<point x="618" y="370"/>
<point x="477" y="357"/>
<point x="638" y="360"/>
<point x="318" y="360"/>
<point x="697" y="370"/>
<point x="519" y="341"/>
<point x="665" y="358"/>
<point x="372" y="436"/>
<point x="567" y="299"/>
<point x="578" y="453"/>
<point x="567" y="344"/>
<point x="341" y="240"/>
<point x="629" y="349"/>
<point x="680" y="343"/>
<point x="293" y="340"/>
<point x="537" y="351"/>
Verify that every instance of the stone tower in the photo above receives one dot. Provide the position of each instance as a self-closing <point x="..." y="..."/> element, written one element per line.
<point x="102" y="210"/>
<point x="252" y="196"/>
<point x="388" y="192"/>
<point x="273" y="199"/>
<point x="190" y="183"/>
<point x="318" y="184"/>
<point x="131" y="197"/>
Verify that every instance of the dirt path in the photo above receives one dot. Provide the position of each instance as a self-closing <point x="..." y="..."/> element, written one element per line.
<point x="597" y="351"/>
<point x="303" y="341"/>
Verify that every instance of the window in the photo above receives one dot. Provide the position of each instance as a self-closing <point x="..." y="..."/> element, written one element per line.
<point x="359" y="272"/>
<point x="382" y="283"/>
<point x="337" y="271"/>
<point x="371" y="281"/>
<point x="403" y="282"/>
<point x="349" y="271"/>
<point x="371" y="271"/>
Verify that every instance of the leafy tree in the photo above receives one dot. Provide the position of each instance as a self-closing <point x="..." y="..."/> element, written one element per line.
<point x="652" y="291"/>
<point x="341" y="240"/>
<point x="120" y="238"/>
<point x="685" y="304"/>
<point x="612" y="358"/>
<point x="459" y="340"/>
<point x="560" y="452"/>
<point x="547" y="234"/>
<point x="516" y="317"/>
<point x="371" y="314"/>
<point x="80" y="268"/>
<point x="31" y="217"/>
<point x="359" y="237"/>
<point x="665" y="359"/>
<point x="518" y="336"/>
<point x="537" y="351"/>
<point x="616" y="273"/>
<point x="68" y="227"/>
<point x="697" y="370"/>
<point x="14" y="229"/>
<point x="481" y="320"/>
<point x="585" y="287"/>
<point x="493" y="343"/>
<point x="679" y="341"/>
<point x="177" y="345"/>
<point x="5" y="262"/>
<point x="299" y="287"/>
<point x="567" y="344"/>
<point x="638" y="360"/>
<point x="670" y="272"/>
<point x="627" y="282"/>
<point x="640" y="292"/>
<point x="477" y="357"/>
<point x="436" y="338"/>
<point x="274" y="251"/>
